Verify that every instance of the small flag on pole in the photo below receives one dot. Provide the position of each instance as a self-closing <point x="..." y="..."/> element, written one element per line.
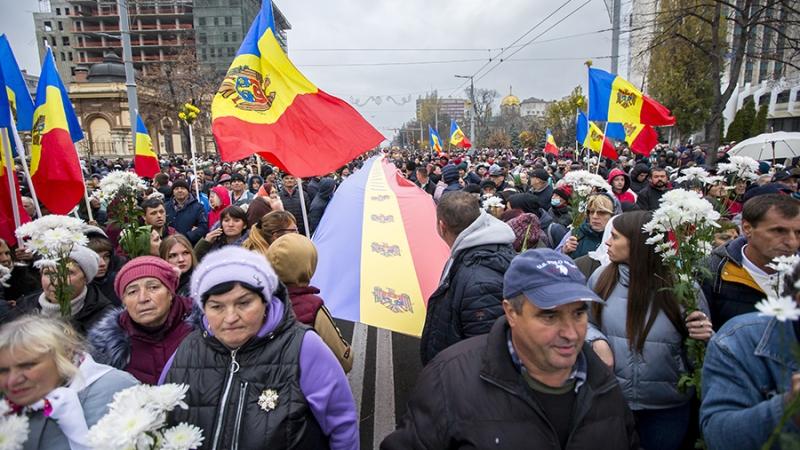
<point x="457" y="137"/>
<point x="145" y="160"/>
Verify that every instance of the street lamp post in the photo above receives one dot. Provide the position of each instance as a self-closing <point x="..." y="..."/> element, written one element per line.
<point x="471" y="107"/>
<point x="127" y="56"/>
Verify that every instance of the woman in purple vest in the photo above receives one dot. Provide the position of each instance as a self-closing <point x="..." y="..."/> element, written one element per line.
<point x="141" y="337"/>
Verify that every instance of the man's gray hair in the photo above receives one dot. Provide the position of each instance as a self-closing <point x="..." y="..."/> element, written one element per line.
<point x="517" y="302"/>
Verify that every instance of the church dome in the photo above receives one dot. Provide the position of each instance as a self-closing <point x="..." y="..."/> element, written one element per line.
<point x="510" y="100"/>
<point x="111" y="69"/>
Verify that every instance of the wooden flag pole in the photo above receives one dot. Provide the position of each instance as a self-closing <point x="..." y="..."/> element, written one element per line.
<point x="11" y="174"/>
<point x="303" y="207"/>
<point x="24" y="160"/>
<point x="88" y="204"/>
<point x="194" y="163"/>
<point x="602" y="145"/>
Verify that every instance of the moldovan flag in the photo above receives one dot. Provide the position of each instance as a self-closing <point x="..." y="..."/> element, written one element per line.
<point x="145" y="160"/>
<point x="7" y="225"/>
<point x="266" y="106"/>
<point x="640" y="138"/>
<point x="55" y="172"/>
<point x="590" y="136"/>
<point x="612" y="99"/>
<point x="436" y="141"/>
<point x="18" y="96"/>
<point x="550" y="146"/>
<point x="457" y="137"/>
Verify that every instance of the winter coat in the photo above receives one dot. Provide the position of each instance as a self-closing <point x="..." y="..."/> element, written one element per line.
<point x="213" y="215"/>
<point x="203" y="247"/>
<point x="226" y="387"/>
<point x="291" y="203"/>
<point x="561" y="215"/>
<point x="637" y="186"/>
<point x="730" y="291"/>
<point x="626" y="195"/>
<point x="555" y="232"/>
<point x="125" y="345"/>
<point x="648" y="380"/>
<point x="95" y="307"/>
<point x="184" y="288"/>
<point x="429" y="187"/>
<point x="21" y="283"/>
<point x="469" y="297"/>
<point x="544" y="195"/>
<point x="747" y="369"/>
<point x="588" y="240"/>
<point x="320" y="202"/>
<point x="191" y="215"/>
<point x="243" y="199"/>
<point x="311" y="188"/>
<point x="472" y="397"/>
<point x="650" y="198"/>
<point x="44" y="432"/>
<point x="250" y="187"/>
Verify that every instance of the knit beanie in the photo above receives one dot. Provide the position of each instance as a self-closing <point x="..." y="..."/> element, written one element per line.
<point x="449" y="174"/>
<point x="180" y="183"/>
<point x="87" y="259"/>
<point x="147" y="267"/>
<point x="565" y="192"/>
<point x="294" y="259"/>
<point x="232" y="263"/>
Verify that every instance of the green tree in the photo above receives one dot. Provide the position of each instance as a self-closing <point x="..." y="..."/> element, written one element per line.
<point x="736" y="128"/>
<point x="429" y="112"/>
<point x="748" y="118"/>
<point x="760" y="124"/>
<point x="514" y="134"/>
<point x="527" y="139"/>
<point x="561" y="115"/>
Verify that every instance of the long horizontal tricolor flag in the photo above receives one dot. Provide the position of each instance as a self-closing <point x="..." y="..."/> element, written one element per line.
<point x="457" y="137"/>
<point x="380" y="223"/>
<point x="550" y="144"/>
<point x="265" y="106"/>
<point x="591" y="137"/>
<point x="145" y="160"/>
<point x="436" y="141"/>
<point x="641" y="138"/>
<point x="8" y="177"/>
<point x="612" y="99"/>
<point x="55" y="172"/>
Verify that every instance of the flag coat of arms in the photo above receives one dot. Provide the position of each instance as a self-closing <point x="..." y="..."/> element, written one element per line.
<point x="457" y="137"/>
<point x="436" y="141"/>
<point x="55" y="171"/>
<point x="641" y="138"/>
<point x="145" y="159"/>
<point x="590" y="136"/>
<point x="550" y="145"/>
<point x="612" y="99"/>
<point x="265" y="106"/>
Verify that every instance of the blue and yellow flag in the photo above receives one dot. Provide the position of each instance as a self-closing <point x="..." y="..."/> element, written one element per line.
<point x="7" y="173"/>
<point x="612" y="99"/>
<point x="641" y="138"/>
<point x="145" y="160"/>
<point x="591" y="137"/>
<point x="457" y="137"/>
<point x="55" y="171"/>
<point x="17" y="90"/>
<point x="436" y="141"/>
<point x="266" y="106"/>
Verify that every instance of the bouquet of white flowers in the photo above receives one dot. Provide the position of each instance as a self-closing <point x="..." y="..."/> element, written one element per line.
<point x="52" y="239"/>
<point x="137" y="420"/>
<point x="583" y="184"/>
<point x="13" y="428"/>
<point x="120" y="189"/>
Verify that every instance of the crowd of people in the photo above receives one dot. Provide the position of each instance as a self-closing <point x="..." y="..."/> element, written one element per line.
<point x="542" y="330"/>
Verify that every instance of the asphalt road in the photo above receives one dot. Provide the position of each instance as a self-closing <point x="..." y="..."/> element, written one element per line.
<point x="385" y="369"/>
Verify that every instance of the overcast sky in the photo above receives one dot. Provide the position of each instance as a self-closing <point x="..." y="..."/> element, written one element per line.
<point x="356" y="49"/>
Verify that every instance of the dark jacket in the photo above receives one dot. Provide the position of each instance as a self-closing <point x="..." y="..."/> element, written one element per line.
<point x="637" y="186"/>
<point x="21" y="283"/>
<point x="588" y="240"/>
<point x="203" y="247"/>
<point x="649" y="198"/>
<point x="191" y="215"/>
<point x="731" y="291"/>
<point x="121" y="343"/>
<point x="472" y="397"/>
<point x="555" y="232"/>
<point x="320" y="202"/>
<point x="115" y="263"/>
<point x="544" y="196"/>
<point x="95" y="307"/>
<point x="166" y="191"/>
<point x="429" y="187"/>
<point x="291" y="203"/>
<point x="305" y="303"/>
<point x="561" y="215"/>
<point x="470" y="294"/>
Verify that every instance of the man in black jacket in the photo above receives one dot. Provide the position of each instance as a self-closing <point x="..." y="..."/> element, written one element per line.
<point x="424" y="182"/>
<point x="649" y="197"/>
<point x="531" y="382"/>
<point x="290" y="197"/>
<point x="470" y="294"/>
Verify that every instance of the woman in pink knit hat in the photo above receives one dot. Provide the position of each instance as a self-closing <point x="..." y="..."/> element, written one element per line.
<point x="141" y="337"/>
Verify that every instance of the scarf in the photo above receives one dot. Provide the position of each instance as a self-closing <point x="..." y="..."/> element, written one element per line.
<point x="54" y="309"/>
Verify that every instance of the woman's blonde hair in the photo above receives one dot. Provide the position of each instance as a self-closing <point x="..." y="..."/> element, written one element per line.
<point x="170" y="241"/>
<point x="38" y="334"/>
<point x="261" y="235"/>
<point x="600" y="203"/>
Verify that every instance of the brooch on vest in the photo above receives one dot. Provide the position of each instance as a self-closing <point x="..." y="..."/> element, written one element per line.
<point x="268" y="400"/>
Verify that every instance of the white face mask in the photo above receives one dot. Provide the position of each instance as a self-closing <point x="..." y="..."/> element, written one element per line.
<point x="555" y="202"/>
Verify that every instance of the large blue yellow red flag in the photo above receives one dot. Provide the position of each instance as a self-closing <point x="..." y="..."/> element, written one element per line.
<point x="591" y="137"/>
<point x="145" y="160"/>
<point x="55" y="172"/>
<point x="612" y="99"/>
<point x="18" y="95"/>
<point x="436" y="141"/>
<point x="641" y="138"/>
<point x="457" y="137"/>
<point x="266" y="106"/>
<point x="380" y="223"/>
<point x="550" y="144"/>
<point x="8" y="177"/>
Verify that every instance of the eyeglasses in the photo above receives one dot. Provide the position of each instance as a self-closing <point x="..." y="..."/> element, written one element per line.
<point x="590" y="212"/>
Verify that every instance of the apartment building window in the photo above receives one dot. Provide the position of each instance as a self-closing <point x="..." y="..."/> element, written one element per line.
<point x="211" y="52"/>
<point x="201" y="21"/>
<point x="69" y="56"/>
<point x="225" y="36"/>
<point x="234" y="2"/>
<point x="66" y="11"/>
<point x="202" y="38"/>
<point x="48" y="26"/>
<point x="58" y="11"/>
<point x="229" y="21"/>
<point x="748" y="72"/>
<point x="60" y="26"/>
<point x="203" y="54"/>
<point x="234" y="37"/>
<point x="63" y="56"/>
<point x="65" y="41"/>
<point x="231" y="51"/>
<point x="216" y="21"/>
<point x="762" y="71"/>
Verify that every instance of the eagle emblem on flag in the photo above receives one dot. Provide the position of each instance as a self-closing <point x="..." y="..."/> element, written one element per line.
<point x="246" y="88"/>
<point x="626" y="98"/>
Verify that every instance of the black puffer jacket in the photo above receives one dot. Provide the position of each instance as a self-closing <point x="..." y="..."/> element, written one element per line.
<point x="470" y="295"/>
<point x="650" y="198"/>
<point x="320" y="202"/>
<point x="637" y="186"/>
<point x="472" y="397"/>
<point x="95" y="307"/>
<point x="291" y="203"/>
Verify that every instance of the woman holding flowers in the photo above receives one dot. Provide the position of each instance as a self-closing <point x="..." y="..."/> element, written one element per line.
<point x="257" y="377"/>
<point x="600" y="208"/>
<point x="46" y="374"/>
<point x="640" y="332"/>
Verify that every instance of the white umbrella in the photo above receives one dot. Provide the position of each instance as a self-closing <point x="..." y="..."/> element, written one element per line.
<point x="769" y="146"/>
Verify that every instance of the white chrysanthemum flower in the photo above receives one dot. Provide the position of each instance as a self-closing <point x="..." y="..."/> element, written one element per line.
<point x="696" y="173"/>
<point x="46" y="263"/>
<point x="157" y="195"/>
<point x="131" y="428"/>
<point x="13" y="432"/>
<point x="492" y="202"/>
<point x="168" y="396"/>
<point x="655" y="239"/>
<point x="671" y="253"/>
<point x="782" y="308"/>
<point x="784" y="264"/>
<point x="182" y="437"/>
<point x="135" y="397"/>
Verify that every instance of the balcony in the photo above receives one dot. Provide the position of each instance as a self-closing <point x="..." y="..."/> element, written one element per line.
<point x="109" y="43"/>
